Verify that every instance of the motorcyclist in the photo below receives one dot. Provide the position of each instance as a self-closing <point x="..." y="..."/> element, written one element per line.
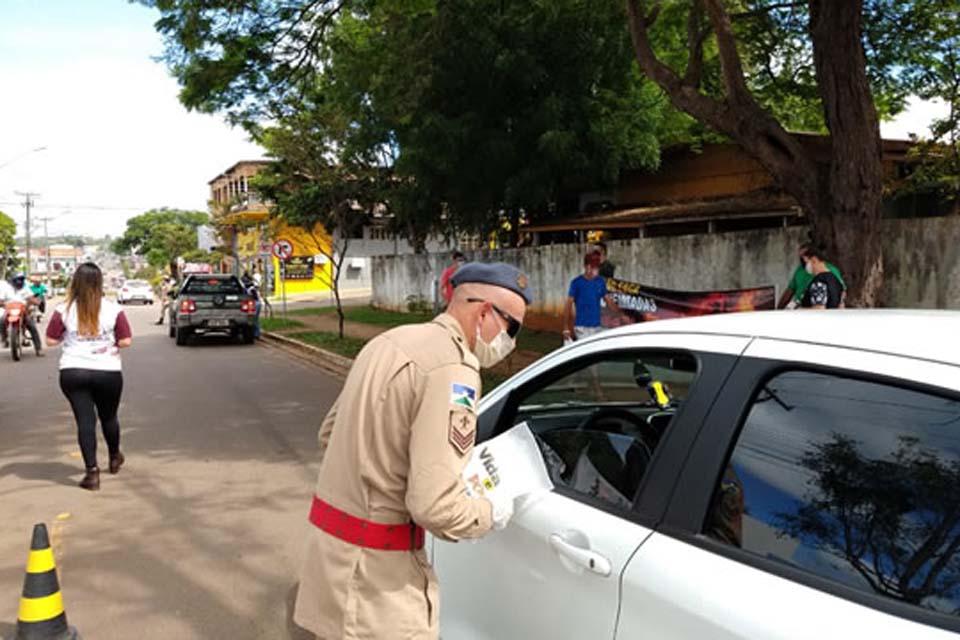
<point x="22" y="293"/>
<point x="6" y="294"/>
<point x="40" y="291"/>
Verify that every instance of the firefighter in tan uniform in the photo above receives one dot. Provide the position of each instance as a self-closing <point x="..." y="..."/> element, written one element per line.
<point x="393" y="447"/>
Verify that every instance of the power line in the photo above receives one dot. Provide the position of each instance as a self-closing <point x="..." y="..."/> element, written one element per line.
<point x="97" y="207"/>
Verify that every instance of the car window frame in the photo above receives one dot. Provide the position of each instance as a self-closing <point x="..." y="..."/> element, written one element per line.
<point x="189" y="280"/>
<point x="690" y="502"/>
<point x="655" y="488"/>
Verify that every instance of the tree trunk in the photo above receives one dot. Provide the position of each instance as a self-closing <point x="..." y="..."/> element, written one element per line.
<point x="847" y="220"/>
<point x="842" y="198"/>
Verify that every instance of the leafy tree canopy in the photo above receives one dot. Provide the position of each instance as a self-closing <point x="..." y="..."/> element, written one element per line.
<point x="161" y="235"/>
<point x="8" y="245"/>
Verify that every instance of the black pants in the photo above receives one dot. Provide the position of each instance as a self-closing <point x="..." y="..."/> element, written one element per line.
<point x="92" y="393"/>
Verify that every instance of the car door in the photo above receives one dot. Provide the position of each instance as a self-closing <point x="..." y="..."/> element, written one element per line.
<point x="819" y="501"/>
<point x="608" y="414"/>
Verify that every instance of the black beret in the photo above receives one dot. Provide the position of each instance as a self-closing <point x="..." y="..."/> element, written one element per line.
<point x="499" y="274"/>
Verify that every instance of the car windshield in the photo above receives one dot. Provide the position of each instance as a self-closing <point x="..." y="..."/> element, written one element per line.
<point x="213" y="285"/>
<point x="136" y="283"/>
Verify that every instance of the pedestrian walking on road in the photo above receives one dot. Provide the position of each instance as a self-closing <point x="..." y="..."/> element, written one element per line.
<point x="91" y="330"/>
<point x="167" y="287"/>
<point x="393" y="448"/>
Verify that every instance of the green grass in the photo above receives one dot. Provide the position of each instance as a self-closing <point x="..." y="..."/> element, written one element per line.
<point x="279" y="324"/>
<point x="348" y="347"/>
<point x="491" y="380"/>
<point x="368" y="315"/>
<point x="539" y="341"/>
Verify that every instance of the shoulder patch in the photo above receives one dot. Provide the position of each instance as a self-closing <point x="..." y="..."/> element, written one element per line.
<point x="463" y="431"/>
<point x="463" y="395"/>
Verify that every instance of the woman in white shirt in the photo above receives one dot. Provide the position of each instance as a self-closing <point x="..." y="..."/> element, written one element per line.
<point x="92" y="331"/>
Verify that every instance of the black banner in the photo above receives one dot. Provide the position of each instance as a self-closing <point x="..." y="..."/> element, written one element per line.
<point x="298" y="268"/>
<point x="642" y="304"/>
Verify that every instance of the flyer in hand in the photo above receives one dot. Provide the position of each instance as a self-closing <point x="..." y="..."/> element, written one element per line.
<point x="509" y="466"/>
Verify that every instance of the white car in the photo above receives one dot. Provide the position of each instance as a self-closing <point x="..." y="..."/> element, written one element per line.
<point x="791" y="475"/>
<point x="135" y="291"/>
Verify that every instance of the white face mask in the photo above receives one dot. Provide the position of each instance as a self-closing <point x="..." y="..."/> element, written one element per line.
<point x="490" y="354"/>
<point x="808" y="266"/>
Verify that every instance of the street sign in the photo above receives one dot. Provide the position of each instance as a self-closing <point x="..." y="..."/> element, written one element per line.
<point x="282" y="249"/>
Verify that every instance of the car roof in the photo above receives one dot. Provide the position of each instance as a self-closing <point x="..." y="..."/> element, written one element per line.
<point x="926" y="334"/>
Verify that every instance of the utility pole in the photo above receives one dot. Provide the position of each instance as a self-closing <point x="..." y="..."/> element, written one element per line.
<point x="27" y="204"/>
<point x="46" y="245"/>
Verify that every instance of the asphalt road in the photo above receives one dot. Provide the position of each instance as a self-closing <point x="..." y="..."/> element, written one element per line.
<point x="200" y="534"/>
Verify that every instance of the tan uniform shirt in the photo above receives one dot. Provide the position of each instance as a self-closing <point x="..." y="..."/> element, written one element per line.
<point x="394" y="445"/>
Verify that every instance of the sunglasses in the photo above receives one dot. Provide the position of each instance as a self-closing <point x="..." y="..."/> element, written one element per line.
<point x="513" y="325"/>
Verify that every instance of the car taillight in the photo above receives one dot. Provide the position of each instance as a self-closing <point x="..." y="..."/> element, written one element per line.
<point x="188" y="306"/>
<point x="248" y="306"/>
<point x="125" y="290"/>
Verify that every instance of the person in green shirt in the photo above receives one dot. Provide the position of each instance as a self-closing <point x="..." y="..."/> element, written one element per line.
<point x="801" y="280"/>
<point x="39" y="289"/>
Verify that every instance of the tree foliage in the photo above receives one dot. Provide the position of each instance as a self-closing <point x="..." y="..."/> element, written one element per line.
<point x="754" y="69"/>
<point x="896" y="520"/>
<point x="161" y="235"/>
<point x="8" y="245"/>
<point x="475" y="109"/>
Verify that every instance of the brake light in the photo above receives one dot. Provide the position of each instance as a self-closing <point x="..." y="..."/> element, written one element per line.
<point x="188" y="306"/>
<point x="125" y="290"/>
<point x="248" y="306"/>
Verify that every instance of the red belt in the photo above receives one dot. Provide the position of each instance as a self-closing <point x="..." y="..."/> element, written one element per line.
<point x="363" y="533"/>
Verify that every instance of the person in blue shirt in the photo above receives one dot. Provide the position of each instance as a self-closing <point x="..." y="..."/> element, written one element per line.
<point x="581" y="313"/>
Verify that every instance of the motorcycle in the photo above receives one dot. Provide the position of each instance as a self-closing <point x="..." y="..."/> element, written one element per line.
<point x="15" y="316"/>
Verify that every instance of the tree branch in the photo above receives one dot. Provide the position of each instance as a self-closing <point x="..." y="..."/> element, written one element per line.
<point x="696" y="35"/>
<point x="683" y="95"/>
<point x="730" y="64"/>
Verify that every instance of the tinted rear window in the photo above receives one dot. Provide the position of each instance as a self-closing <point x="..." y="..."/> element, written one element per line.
<point x="135" y="283"/>
<point x="229" y="286"/>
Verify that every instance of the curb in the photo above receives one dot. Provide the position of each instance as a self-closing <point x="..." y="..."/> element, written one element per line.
<point x="327" y="360"/>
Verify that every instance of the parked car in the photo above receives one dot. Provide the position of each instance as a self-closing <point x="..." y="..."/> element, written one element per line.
<point x="212" y="304"/>
<point x="135" y="291"/>
<point x="745" y="476"/>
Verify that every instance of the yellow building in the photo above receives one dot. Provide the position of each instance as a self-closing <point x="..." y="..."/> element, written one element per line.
<point x="249" y="231"/>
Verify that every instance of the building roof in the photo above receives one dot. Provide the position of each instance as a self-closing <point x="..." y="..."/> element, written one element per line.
<point x="758" y="204"/>
<point x="236" y="165"/>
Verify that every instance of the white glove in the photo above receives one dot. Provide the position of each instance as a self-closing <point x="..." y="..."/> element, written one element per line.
<point x="502" y="512"/>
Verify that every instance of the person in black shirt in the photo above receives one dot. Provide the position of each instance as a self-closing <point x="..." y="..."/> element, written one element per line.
<point x="825" y="291"/>
<point x="607" y="268"/>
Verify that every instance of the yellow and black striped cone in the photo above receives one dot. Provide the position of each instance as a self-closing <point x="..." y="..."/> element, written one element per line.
<point x="42" y="616"/>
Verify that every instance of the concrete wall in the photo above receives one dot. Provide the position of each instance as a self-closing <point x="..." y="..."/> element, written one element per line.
<point x="922" y="262"/>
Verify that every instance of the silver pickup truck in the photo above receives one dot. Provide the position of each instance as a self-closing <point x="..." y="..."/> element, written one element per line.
<point x="213" y="304"/>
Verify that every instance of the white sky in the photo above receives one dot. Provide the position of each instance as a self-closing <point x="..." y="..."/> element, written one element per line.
<point x="79" y="78"/>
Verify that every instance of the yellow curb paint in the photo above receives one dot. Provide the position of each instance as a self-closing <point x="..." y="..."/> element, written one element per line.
<point x="76" y="454"/>
<point x="40" y="561"/>
<point x="63" y="516"/>
<point x="40" y="609"/>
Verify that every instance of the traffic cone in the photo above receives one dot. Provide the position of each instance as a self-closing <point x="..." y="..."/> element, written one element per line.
<point x="41" y="607"/>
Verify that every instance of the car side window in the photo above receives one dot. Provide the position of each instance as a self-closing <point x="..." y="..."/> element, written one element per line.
<point x="854" y="481"/>
<point x="599" y="424"/>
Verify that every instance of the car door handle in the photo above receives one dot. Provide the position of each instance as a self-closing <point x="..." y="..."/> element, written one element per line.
<point x="585" y="558"/>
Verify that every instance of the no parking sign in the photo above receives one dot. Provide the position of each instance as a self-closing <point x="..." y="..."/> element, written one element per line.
<point x="282" y="249"/>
